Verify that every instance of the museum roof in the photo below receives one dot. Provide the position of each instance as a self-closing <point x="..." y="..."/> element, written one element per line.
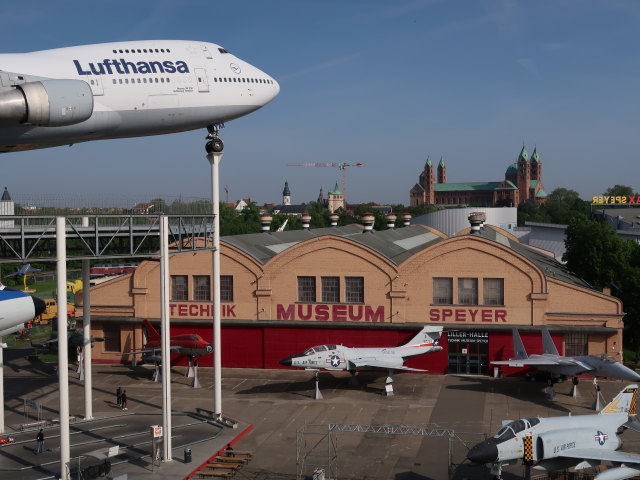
<point x="396" y="244"/>
<point x="549" y="265"/>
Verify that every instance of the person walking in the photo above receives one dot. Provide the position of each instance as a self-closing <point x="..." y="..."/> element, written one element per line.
<point x="123" y="400"/>
<point x="119" y="396"/>
<point x="39" y="442"/>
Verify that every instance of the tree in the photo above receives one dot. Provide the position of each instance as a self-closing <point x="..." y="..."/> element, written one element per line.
<point x="619" y="191"/>
<point x="597" y="254"/>
<point x="594" y="251"/>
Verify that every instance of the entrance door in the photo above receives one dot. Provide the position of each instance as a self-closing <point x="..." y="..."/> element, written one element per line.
<point x="203" y="82"/>
<point x="468" y="355"/>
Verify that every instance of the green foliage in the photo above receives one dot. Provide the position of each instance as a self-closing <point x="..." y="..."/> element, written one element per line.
<point x="597" y="254"/>
<point x="620" y="190"/>
<point x="561" y="206"/>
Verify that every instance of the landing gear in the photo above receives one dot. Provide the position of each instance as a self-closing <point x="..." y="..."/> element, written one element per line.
<point x="215" y="143"/>
<point x="317" y="395"/>
<point x="389" y="384"/>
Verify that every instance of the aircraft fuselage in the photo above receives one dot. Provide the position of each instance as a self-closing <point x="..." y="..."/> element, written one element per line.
<point x="123" y="89"/>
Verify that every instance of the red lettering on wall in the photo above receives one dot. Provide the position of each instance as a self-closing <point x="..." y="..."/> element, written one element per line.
<point x="353" y="316"/>
<point x="182" y="310"/>
<point x="205" y="311"/>
<point x="336" y="313"/>
<point x="467" y="314"/>
<point x="171" y="309"/>
<point x="193" y="310"/>
<point x="371" y="316"/>
<point x="339" y="313"/>
<point x="285" y="314"/>
<point x="322" y="313"/>
<point x="306" y="315"/>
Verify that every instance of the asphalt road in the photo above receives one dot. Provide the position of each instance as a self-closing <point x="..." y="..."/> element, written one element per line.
<point x="285" y="429"/>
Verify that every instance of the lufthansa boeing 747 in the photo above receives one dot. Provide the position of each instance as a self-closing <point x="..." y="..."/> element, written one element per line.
<point x="125" y="89"/>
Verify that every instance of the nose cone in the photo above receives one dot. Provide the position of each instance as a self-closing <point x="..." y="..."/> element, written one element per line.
<point x="209" y="348"/>
<point x="483" y="452"/>
<point x="625" y="373"/>
<point x="38" y="306"/>
<point x="285" y="361"/>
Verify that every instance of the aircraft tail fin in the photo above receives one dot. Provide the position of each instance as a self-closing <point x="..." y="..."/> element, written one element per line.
<point x="547" y="342"/>
<point x="518" y="347"/>
<point x="428" y="336"/>
<point x="625" y="402"/>
<point x="150" y="333"/>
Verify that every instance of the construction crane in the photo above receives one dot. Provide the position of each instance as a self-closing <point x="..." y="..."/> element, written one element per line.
<point x="340" y="166"/>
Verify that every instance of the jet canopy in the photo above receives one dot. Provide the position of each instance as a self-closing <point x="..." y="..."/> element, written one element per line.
<point x="512" y="428"/>
<point x="607" y="358"/>
<point x="319" y="349"/>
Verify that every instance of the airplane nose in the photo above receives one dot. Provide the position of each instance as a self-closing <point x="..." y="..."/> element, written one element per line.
<point x="38" y="306"/>
<point x="483" y="452"/>
<point x="285" y="361"/>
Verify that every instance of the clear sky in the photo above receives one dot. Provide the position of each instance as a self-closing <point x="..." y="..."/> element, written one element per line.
<point x="386" y="83"/>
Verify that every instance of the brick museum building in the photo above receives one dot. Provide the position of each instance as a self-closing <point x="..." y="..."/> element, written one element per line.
<point x="282" y="292"/>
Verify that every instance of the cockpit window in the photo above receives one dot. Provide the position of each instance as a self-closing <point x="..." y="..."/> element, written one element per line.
<point x="222" y="50"/>
<point x="607" y="358"/>
<point x="319" y="348"/>
<point x="533" y="421"/>
<point x="505" y="433"/>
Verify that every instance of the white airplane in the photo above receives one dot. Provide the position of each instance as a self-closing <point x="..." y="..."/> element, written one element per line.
<point x="16" y="309"/>
<point x="125" y="89"/>
<point x="551" y="361"/>
<point x="555" y="443"/>
<point x="339" y="357"/>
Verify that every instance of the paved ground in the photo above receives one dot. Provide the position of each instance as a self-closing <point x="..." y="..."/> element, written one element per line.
<point x="273" y="407"/>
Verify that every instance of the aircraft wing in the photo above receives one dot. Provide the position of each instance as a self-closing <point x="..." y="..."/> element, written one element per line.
<point x="152" y="351"/>
<point x="527" y="362"/>
<point x="375" y="363"/>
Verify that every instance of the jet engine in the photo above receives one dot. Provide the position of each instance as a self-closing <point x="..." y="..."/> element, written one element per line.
<point x="47" y="103"/>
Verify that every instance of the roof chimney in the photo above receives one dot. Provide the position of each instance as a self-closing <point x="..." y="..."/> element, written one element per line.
<point x="391" y="220"/>
<point x="476" y="219"/>
<point x="368" y="221"/>
<point x="265" y="221"/>
<point x="406" y="219"/>
<point x="334" y="217"/>
<point x="306" y="220"/>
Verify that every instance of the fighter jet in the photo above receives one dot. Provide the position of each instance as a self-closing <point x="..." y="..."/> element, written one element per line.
<point x="190" y="345"/>
<point x="339" y="357"/>
<point x="556" y="443"/>
<point x="551" y="361"/>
